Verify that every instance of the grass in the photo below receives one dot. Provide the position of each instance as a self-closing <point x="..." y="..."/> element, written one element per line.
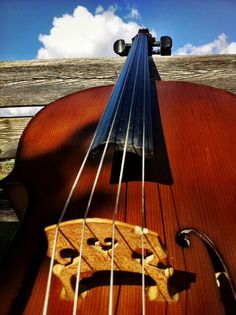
<point x="6" y="167"/>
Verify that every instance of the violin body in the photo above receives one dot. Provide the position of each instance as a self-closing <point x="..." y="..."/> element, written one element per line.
<point x="194" y="186"/>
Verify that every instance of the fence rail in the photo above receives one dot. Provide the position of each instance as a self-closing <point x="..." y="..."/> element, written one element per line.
<point x="36" y="83"/>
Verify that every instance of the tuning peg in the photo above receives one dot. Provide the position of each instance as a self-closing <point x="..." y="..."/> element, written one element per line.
<point x="121" y="48"/>
<point x="165" y="44"/>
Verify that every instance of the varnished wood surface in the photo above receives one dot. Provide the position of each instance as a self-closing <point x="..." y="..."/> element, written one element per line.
<point x="199" y="131"/>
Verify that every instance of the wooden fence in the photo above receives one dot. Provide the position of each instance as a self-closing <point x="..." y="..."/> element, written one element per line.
<point x="37" y="83"/>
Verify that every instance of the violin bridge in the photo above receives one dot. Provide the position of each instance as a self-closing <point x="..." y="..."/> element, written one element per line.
<point x="96" y="257"/>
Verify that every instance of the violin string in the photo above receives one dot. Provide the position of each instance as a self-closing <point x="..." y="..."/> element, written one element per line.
<point x="143" y="185"/>
<point x="66" y="205"/>
<point x="91" y="197"/>
<point x="50" y="273"/>
<point x="92" y="193"/>
<point x="49" y="280"/>
<point x="110" y="309"/>
<point x="84" y="222"/>
<point x="47" y="294"/>
<point x="142" y="236"/>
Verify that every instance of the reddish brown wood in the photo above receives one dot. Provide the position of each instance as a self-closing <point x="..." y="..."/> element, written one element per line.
<point x="199" y="130"/>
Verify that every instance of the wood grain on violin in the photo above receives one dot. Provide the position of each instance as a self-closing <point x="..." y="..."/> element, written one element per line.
<point x="189" y="184"/>
<point x="199" y="127"/>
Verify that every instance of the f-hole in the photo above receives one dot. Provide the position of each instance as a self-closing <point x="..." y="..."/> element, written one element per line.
<point x="180" y="281"/>
<point x="102" y="278"/>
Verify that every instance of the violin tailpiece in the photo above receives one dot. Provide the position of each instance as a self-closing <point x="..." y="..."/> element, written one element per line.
<point x="96" y="257"/>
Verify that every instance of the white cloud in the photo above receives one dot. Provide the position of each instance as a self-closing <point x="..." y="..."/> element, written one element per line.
<point x="218" y="46"/>
<point x="134" y="14"/>
<point x="83" y="34"/>
<point x="99" y="9"/>
<point x="26" y="111"/>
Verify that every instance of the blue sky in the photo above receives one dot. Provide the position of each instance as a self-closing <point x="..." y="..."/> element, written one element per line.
<point x="205" y="26"/>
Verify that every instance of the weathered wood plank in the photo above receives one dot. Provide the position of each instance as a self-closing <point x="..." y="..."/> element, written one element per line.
<point x="217" y="70"/>
<point x="10" y="130"/>
<point x="40" y="82"/>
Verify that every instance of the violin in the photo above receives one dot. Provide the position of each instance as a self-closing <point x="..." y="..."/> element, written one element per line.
<point x="127" y="199"/>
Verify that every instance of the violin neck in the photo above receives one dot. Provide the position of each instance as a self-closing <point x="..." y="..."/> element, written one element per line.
<point x="129" y="105"/>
